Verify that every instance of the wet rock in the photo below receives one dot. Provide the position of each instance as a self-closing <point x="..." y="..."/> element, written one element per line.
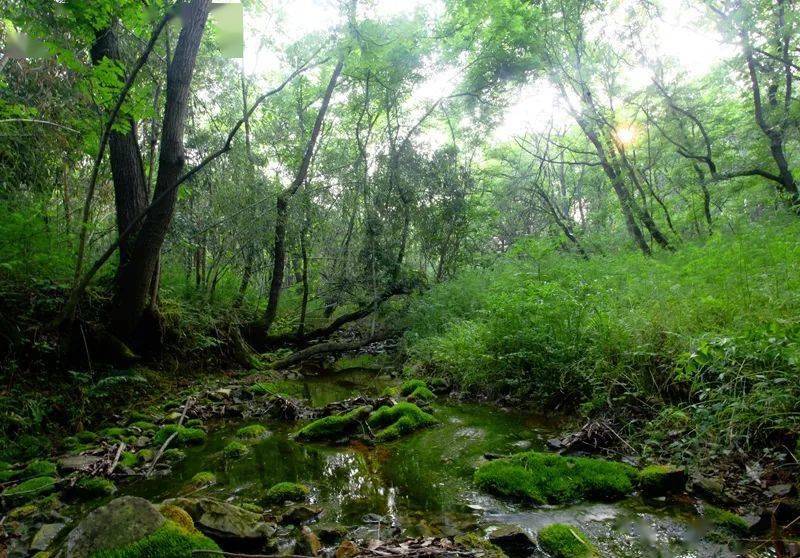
<point x="330" y="533"/>
<point x="513" y="541"/>
<point x="347" y="549"/>
<point x="555" y="444"/>
<point x="711" y="489"/>
<point x="71" y="463"/>
<point x="308" y="543"/>
<point x="119" y="523"/>
<point x="45" y="536"/>
<point x="299" y="514"/>
<point x="782" y="490"/>
<point x="230" y="525"/>
<point x="658" y="480"/>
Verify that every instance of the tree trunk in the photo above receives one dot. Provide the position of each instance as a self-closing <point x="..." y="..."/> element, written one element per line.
<point x="134" y="278"/>
<point x="282" y="204"/>
<point x="301" y="327"/>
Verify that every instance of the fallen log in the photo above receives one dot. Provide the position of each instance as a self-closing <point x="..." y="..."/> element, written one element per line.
<point x="326" y="348"/>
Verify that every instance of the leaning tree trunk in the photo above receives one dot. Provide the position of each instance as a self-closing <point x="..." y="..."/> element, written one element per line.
<point x="134" y="278"/>
<point x="282" y="205"/>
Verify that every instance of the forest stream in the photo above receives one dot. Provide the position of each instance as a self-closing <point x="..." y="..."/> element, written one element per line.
<point x="421" y="485"/>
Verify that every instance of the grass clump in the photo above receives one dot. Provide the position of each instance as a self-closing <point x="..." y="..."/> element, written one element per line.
<point x="544" y="478"/>
<point x="169" y="541"/>
<point x="564" y="541"/>
<point x="333" y="426"/>
<point x="252" y="432"/>
<point x="286" y="491"/>
<point x="91" y="487"/>
<point x="29" y="489"/>
<point x="399" y="420"/>
<point x="185" y="437"/>
<point x="234" y="450"/>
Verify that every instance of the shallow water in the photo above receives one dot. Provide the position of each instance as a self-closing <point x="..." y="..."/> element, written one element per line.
<point x="421" y="485"/>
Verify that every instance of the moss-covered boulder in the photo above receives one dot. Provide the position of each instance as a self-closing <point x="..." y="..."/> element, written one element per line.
<point x="38" y="468"/>
<point x="545" y="478"/>
<point x="29" y="489"/>
<point x="398" y="420"/>
<point x="170" y="541"/>
<point x="202" y="479"/>
<point x="658" y="480"/>
<point x="89" y="488"/>
<point x="421" y="394"/>
<point x="334" y="426"/>
<point x="143" y="425"/>
<point x="410" y="386"/>
<point x="179" y="517"/>
<point x="129" y="459"/>
<point x="565" y="541"/>
<point x="235" y="450"/>
<point x="286" y="491"/>
<point x="185" y="436"/>
<point x="252" y="432"/>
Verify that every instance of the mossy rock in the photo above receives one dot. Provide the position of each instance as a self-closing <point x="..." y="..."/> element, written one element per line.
<point x="545" y="478"/>
<point x="202" y="479"/>
<point x="185" y="436"/>
<point x="179" y="517"/>
<point x="235" y="450"/>
<point x="334" y="426"/>
<point x="399" y="420"/>
<point x="286" y="491"/>
<point x="115" y="432"/>
<point x="87" y="436"/>
<point x="252" y="432"/>
<point x="38" y="468"/>
<point x="422" y="394"/>
<point x="174" y="454"/>
<point x="391" y="391"/>
<point x="146" y="455"/>
<point x="169" y="541"/>
<point x="139" y="416"/>
<point x="251" y="507"/>
<point x="565" y="541"/>
<point x="29" y="489"/>
<point x="144" y="426"/>
<point x="408" y="387"/>
<point x="658" y="480"/>
<point x="473" y="541"/>
<point x="89" y="488"/>
<point x="194" y="423"/>
<point x="725" y="520"/>
<point x="129" y="459"/>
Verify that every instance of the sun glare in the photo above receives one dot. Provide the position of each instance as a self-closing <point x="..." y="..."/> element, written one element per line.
<point x="626" y="135"/>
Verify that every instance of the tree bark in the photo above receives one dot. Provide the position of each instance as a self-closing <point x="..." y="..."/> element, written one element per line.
<point x="134" y="278"/>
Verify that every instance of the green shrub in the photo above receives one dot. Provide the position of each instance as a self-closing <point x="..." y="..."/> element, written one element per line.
<point x="286" y="491"/>
<point x="185" y="437"/>
<point x="564" y="541"/>
<point x="399" y="420"/>
<point x="333" y="426"/>
<point x="169" y="541"/>
<point x="252" y="432"/>
<point x="544" y="478"/>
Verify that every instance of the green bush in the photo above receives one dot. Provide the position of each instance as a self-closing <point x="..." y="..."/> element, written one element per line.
<point x="545" y="478"/>
<point x="564" y="541"/>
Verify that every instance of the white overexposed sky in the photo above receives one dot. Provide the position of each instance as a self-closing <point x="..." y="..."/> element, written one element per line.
<point x="675" y="36"/>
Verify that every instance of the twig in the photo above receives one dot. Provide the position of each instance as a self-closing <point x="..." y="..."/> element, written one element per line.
<point x="38" y="121"/>
<point x="166" y="443"/>
<point x="116" y="458"/>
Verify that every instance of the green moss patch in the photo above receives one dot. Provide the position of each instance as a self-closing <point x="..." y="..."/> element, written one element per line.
<point x="235" y="450"/>
<point x="728" y="521"/>
<point x="169" y="541"/>
<point x="38" y="468"/>
<point x="30" y="488"/>
<point x="86" y="437"/>
<point x="564" y="541"/>
<point x="115" y="432"/>
<point x="410" y="386"/>
<point x="252" y="432"/>
<point x="203" y="478"/>
<point x="144" y="426"/>
<point x="333" y="426"/>
<point x="185" y="437"/>
<point x="88" y="488"/>
<point x="657" y="480"/>
<point x="399" y="420"/>
<point x="545" y="478"/>
<point x="421" y="394"/>
<point x="284" y="491"/>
